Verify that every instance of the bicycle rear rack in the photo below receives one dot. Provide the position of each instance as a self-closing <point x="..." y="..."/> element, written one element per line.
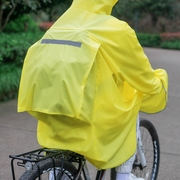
<point x="31" y="158"/>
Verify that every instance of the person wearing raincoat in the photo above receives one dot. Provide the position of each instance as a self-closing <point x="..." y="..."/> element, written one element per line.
<point x="86" y="80"/>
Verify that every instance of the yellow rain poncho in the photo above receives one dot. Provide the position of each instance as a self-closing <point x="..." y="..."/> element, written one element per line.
<point x="86" y="80"/>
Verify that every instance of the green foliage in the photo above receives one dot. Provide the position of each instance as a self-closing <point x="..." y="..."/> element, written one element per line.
<point x="174" y="44"/>
<point x="10" y="9"/>
<point x="34" y="4"/>
<point x="155" y="40"/>
<point x="58" y="8"/>
<point x="149" y="40"/>
<point x="13" y="46"/>
<point x="21" y="23"/>
<point x="123" y="9"/>
<point x="9" y="81"/>
<point x="154" y="8"/>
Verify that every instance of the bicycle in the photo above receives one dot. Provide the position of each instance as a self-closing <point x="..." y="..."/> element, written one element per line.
<point x="54" y="164"/>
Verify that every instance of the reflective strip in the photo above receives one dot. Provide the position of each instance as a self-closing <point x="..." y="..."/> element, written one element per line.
<point x="65" y="42"/>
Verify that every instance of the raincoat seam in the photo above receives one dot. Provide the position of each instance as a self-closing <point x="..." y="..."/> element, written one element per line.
<point x="93" y="129"/>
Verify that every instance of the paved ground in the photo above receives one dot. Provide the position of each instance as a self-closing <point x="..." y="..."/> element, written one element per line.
<point x="18" y="130"/>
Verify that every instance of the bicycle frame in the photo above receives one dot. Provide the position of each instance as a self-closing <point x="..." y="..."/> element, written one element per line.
<point x="141" y="150"/>
<point x="100" y="175"/>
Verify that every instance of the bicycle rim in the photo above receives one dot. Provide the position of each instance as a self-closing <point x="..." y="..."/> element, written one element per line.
<point x="151" y="148"/>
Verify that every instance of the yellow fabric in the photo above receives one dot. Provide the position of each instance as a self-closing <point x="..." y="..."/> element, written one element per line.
<point x="87" y="87"/>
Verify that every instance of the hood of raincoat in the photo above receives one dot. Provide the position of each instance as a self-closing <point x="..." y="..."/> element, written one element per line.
<point x="95" y="6"/>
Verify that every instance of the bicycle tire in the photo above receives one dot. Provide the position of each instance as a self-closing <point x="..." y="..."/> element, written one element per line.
<point x="151" y="146"/>
<point x="43" y="168"/>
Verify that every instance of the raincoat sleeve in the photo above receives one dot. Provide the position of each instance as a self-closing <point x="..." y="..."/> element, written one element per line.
<point x="137" y="71"/>
<point x="156" y="102"/>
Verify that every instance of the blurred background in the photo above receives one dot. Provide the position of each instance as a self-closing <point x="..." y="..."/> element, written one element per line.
<point x="22" y="22"/>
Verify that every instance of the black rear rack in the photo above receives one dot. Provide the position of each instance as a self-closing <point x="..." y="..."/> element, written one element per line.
<point x="38" y="155"/>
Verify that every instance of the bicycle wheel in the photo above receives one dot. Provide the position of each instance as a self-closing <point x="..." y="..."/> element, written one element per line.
<point x="64" y="170"/>
<point x="151" y="147"/>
